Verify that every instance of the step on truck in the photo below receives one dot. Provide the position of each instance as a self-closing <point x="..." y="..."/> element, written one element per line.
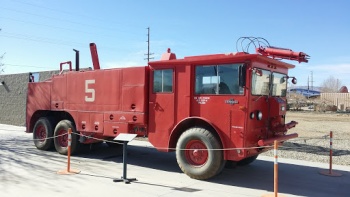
<point x="209" y="109"/>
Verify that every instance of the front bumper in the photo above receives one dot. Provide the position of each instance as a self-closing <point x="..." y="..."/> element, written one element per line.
<point x="270" y="141"/>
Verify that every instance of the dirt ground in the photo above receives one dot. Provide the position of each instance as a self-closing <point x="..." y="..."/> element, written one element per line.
<point x="315" y="124"/>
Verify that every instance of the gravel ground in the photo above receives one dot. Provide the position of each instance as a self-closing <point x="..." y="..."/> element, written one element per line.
<point x="313" y="141"/>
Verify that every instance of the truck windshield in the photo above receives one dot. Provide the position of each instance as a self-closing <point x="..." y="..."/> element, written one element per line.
<point x="262" y="80"/>
<point x="279" y="86"/>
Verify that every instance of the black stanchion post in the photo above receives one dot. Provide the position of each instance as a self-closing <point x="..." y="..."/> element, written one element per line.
<point x="125" y="138"/>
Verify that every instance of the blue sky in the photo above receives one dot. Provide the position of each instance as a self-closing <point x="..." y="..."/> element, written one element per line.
<point x="37" y="35"/>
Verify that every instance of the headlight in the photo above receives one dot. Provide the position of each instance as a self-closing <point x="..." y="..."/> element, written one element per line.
<point x="283" y="108"/>
<point x="259" y="115"/>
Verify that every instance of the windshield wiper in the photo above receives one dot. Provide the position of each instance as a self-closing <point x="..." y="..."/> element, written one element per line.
<point x="260" y="97"/>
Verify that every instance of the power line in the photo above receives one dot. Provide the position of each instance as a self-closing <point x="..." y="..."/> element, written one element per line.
<point x="17" y="65"/>
<point x="65" y="20"/>
<point x="55" y="27"/>
<point x="49" y="40"/>
<point x="47" y="8"/>
<point x="39" y="40"/>
<point x="64" y="11"/>
<point x="58" y="19"/>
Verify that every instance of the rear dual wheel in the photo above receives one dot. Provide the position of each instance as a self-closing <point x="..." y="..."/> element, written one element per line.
<point x="61" y="137"/>
<point x="199" y="154"/>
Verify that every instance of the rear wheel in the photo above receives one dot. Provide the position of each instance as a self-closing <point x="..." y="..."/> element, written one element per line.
<point x="42" y="133"/>
<point x="196" y="156"/>
<point x="61" y="137"/>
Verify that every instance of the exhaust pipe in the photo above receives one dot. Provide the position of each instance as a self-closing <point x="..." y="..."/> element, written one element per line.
<point x="94" y="56"/>
<point x="76" y="59"/>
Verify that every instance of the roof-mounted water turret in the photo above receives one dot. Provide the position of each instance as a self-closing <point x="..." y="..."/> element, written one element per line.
<point x="263" y="47"/>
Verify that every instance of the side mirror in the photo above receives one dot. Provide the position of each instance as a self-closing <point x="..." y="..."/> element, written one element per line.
<point x="242" y="75"/>
<point x="294" y="80"/>
<point x="282" y="80"/>
<point x="258" y="72"/>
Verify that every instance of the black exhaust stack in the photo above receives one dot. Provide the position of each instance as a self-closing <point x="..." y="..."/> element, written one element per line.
<point x="76" y="59"/>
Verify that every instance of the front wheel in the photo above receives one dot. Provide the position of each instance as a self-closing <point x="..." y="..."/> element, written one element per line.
<point x="61" y="137"/>
<point x="199" y="154"/>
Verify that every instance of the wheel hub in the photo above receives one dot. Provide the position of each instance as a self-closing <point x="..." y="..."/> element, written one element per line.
<point x="63" y="138"/>
<point x="40" y="133"/>
<point x="196" y="153"/>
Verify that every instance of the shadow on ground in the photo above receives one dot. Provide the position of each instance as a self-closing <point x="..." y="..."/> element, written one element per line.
<point x="293" y="179"/>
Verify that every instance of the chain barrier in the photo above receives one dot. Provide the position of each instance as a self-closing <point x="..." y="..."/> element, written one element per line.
<point x="282" y="147"/>
<point x="98" y="139"/>
<point x="52" y="137"/>
<point x="47" y="138"/>
<point x="325" y="137"/>
<point x="312" y="144"/>
<point x="166" y="148"/>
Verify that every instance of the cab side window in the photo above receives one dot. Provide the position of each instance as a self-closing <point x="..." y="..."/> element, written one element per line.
<point x="218" y="79"/>
<point x="163" y="81"/>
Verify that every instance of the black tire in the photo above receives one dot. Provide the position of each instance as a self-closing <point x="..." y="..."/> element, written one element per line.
<point x="61" y="137"/>
<point x="223" y="164"/>
<point x="247" y="161"/>
<point x="43" y="129"/>
<point x="199" y="164"/>
<point x="231" y="164"/>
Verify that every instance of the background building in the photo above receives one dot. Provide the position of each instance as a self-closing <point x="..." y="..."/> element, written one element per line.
<point x="13" y="93"/>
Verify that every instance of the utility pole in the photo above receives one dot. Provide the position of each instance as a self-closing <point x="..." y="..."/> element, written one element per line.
<point x="1" y="64"/>
<point x="312" y="80"/>
<point x="148" y="47"/>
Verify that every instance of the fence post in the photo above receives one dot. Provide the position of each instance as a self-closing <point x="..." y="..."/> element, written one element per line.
<point x="68" y="170"/>
<point x="330" y="172"/>
<point x="275" y="173"/>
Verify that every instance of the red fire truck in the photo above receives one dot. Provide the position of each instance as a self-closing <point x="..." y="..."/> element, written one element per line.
<point x="209" y="109"/>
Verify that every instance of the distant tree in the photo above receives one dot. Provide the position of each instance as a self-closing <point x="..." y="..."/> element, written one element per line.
<point x="331" y="84"/>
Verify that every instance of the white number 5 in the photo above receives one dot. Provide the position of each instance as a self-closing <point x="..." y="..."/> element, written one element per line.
<point x="89" y="90"/>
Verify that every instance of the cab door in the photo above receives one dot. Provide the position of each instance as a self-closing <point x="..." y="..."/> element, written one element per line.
<point x="219" y="98"/>
<point x="161" y="106"/>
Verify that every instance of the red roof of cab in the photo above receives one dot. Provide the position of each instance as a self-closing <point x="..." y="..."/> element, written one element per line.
<point x="218" y="58"/>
